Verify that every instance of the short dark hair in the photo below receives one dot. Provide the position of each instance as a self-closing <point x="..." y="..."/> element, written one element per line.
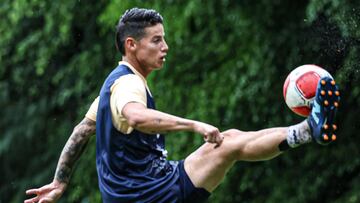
<point x="133" y="23"/>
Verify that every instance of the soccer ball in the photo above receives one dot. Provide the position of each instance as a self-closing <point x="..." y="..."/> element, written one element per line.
<point x="300" y="88"/>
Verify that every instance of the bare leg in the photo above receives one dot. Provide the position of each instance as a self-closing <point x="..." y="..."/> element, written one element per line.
<point x="207" y="166"/>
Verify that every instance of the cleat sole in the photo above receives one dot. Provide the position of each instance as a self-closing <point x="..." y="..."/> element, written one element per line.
<point x="328" y="99"/>
<point x="331" y="102"/>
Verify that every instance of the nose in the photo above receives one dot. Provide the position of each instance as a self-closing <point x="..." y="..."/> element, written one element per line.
<point x="165" y="47"/>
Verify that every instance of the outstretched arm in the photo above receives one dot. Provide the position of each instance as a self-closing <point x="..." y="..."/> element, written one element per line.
<point x="69" y="155"/>
<point x="152" y="121"/>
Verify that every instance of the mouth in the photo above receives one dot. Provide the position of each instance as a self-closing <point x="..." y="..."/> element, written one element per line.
<point x="162" y="58"/>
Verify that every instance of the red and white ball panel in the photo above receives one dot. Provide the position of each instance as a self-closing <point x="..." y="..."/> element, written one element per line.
<point x="300" y="87"/>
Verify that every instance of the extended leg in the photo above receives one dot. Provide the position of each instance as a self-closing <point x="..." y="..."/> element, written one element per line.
<point x="207" y="166"/>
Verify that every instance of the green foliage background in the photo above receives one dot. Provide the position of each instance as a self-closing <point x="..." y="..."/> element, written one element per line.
<point x="226" y="66"/>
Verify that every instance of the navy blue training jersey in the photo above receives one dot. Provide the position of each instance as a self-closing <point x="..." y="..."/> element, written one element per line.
<point x="131" y="167"/>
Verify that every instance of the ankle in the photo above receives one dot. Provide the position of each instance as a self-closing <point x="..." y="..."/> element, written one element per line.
<point x="299" y="134"/>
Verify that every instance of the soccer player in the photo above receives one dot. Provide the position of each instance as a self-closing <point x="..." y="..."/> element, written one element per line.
<point x="130" y="152"/>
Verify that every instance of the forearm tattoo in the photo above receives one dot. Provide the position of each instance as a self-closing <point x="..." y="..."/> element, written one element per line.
<point x="159" y="123"/>
<point x="182" y="123"/>
<point x="73" y="149"/>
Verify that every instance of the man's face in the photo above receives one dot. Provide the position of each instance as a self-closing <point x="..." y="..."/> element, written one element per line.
<point x="152" y="48"/>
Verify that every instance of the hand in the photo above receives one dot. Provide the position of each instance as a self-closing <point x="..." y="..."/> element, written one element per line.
<point x="210" y="133"/>
<point x="46" y="194"/>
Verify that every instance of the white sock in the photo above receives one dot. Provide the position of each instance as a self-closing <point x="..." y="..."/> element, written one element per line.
<point x="299" y="134"/>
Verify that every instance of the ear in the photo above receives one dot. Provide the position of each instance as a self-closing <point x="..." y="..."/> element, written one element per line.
<point x="130" y="44"/>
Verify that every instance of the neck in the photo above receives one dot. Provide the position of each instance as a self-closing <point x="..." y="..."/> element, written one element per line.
<point x="142" y="70"/>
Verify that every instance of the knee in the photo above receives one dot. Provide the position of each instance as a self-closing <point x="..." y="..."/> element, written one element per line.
<point x="232" y="132"/>
<point x="239" y="144"/>
<point x="234" y="143"/>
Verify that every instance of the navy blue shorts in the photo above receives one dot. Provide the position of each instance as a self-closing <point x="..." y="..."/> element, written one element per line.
<point x="189" y="192"/>
<point x="181" y="191"/>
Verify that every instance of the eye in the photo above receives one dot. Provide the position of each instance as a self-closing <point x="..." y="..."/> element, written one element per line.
<point x="157" y="40"/>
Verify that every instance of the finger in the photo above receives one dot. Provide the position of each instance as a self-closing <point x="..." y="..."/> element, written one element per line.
<point x="212" y="139"/>
<point x="219" y="140"/>
<point x="44" y="189"/>
<point x="32" y="191"/>
<point x="46" y="200"/>
<point x="207" y="138"/>
<point x="32" y="200"/>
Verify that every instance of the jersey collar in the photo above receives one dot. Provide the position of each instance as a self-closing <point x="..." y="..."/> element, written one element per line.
<point x="133" y="70"/>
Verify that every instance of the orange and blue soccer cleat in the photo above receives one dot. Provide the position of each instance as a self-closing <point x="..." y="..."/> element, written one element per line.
<point x="322" y="117"/>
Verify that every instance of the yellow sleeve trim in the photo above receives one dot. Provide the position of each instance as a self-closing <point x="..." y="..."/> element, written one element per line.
<point x="92" y="112"/>
<point x="128" y="88"/>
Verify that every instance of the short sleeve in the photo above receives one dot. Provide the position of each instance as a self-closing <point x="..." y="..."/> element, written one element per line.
<point x="92" y="112"/>
<point x="128" y="88"/>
